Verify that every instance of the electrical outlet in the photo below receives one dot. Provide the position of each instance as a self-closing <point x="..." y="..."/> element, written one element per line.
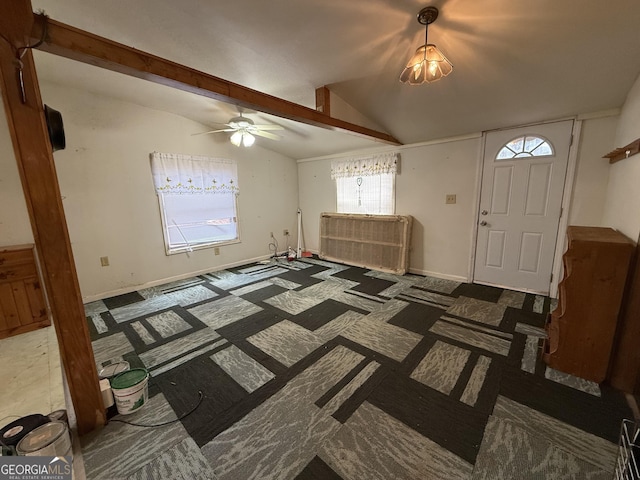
<point x="104" y="261"/>
<point x="216" y="250"/>
<point x="450" y="198"/>
<point x="285" y="232"/>
<point x="271" y="234"/>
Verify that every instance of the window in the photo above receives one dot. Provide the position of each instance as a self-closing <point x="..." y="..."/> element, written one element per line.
<point x="527" y="146"/>
<point x="366" y="185"/>
<point x="197" y="197"/>
<point x="372" y="194"/>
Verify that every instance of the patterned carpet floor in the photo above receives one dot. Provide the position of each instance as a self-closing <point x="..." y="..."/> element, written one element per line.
<point x="316" y="370"/>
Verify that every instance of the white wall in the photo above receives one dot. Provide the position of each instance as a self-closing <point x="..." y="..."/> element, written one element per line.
<point x="443" y="242"/>
<point x="344" y="111"/>
<point x="112" y="211"/>
<point x="629" y="127"/>
<point x="592" y="171"/>
<point x="15" y="228"/>
<point x="622" y="205"/>
<point x="442" y="234"/>
<point x="110" y="204"/>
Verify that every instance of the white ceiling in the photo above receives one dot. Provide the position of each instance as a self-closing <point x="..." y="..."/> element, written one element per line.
<point x="515" y="62"/>
<point x="298" y="140"/>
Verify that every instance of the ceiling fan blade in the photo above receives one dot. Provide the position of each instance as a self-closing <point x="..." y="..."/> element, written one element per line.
<point x="213" y="131"/>
<point x="269" y="127"/>
<point x="268" y="135"/>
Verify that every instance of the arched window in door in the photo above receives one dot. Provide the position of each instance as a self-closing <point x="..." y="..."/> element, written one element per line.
<point x="525" y="146"/>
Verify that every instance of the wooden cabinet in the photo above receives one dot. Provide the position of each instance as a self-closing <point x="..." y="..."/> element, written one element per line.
<point x="22" y="303"/>
<point x="582" y="328"/>
<point x="625" y="366"/>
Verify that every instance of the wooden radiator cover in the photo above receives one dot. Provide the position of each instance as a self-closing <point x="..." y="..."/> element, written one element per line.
<point x="379" y="242"/>
<point x="22" y="303"/>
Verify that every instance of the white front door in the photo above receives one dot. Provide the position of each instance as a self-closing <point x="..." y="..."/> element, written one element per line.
<point x="520" y="203"/>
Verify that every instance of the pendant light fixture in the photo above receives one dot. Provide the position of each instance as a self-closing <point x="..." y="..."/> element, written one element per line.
<point x="428" y="64"/>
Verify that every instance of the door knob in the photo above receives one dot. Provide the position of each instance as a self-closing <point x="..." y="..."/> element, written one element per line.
<point x="483" y="212"/>
<point x="483" y="223"/>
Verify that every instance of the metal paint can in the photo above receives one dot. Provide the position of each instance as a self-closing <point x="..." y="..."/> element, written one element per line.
<point x="51" y="439"/>
<point x="114" y="369"/>
<point x="59" y="415"/>
<point x="15" y="431"/>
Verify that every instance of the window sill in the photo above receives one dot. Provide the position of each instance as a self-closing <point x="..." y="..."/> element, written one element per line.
<point x="204" y="246"/>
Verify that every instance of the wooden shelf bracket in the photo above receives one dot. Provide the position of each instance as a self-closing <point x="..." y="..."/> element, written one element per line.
<point x="623" y="152"/>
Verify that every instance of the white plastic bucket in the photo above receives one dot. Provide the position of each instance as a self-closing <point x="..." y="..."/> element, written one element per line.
<point x="130" y="390"/>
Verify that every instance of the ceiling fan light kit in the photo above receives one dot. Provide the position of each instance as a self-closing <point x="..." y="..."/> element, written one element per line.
<point x="240" y="122"/>
<point x="242" y="138"/>
<point x="428" y="64"/>
<point x="245" y="131"/>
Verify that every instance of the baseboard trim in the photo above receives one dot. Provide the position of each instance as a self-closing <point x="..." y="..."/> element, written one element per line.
<point x="182" y="276"/>
<point x="444" y="276"/>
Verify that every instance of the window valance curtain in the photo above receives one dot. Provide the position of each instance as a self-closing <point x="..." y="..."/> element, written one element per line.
<point x="365" y="166"/>
<point x="191" y="174"/>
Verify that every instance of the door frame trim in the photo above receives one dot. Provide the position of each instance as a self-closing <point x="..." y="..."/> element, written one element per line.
<point x="569" y="181"/>
<point x="476" y="206"/>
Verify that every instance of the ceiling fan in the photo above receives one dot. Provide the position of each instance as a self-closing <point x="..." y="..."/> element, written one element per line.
<point x="244" y="131"/>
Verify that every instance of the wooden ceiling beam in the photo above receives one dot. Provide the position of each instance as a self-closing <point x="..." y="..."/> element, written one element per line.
<point x="70" y="42"/>
<point x="16" y="22"/>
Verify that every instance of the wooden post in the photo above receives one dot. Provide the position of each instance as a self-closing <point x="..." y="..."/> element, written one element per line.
<point x="34" y="156"/>
<point x="323" y="100"/>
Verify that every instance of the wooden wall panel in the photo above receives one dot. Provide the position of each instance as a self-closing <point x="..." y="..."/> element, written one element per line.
<point x="36" y="299"/>
<point x="3" y="321"/>
<point x="16" y="272"/>
<point x="8" y="306"/>
<point x="22" y="303"/>
<point x="16" y="255"/>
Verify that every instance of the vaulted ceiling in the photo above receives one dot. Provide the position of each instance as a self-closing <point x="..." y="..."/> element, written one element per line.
<point x="515" y="62"/>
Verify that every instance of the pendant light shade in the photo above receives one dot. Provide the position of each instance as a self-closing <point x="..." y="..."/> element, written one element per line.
<point x="428" y="64"/>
